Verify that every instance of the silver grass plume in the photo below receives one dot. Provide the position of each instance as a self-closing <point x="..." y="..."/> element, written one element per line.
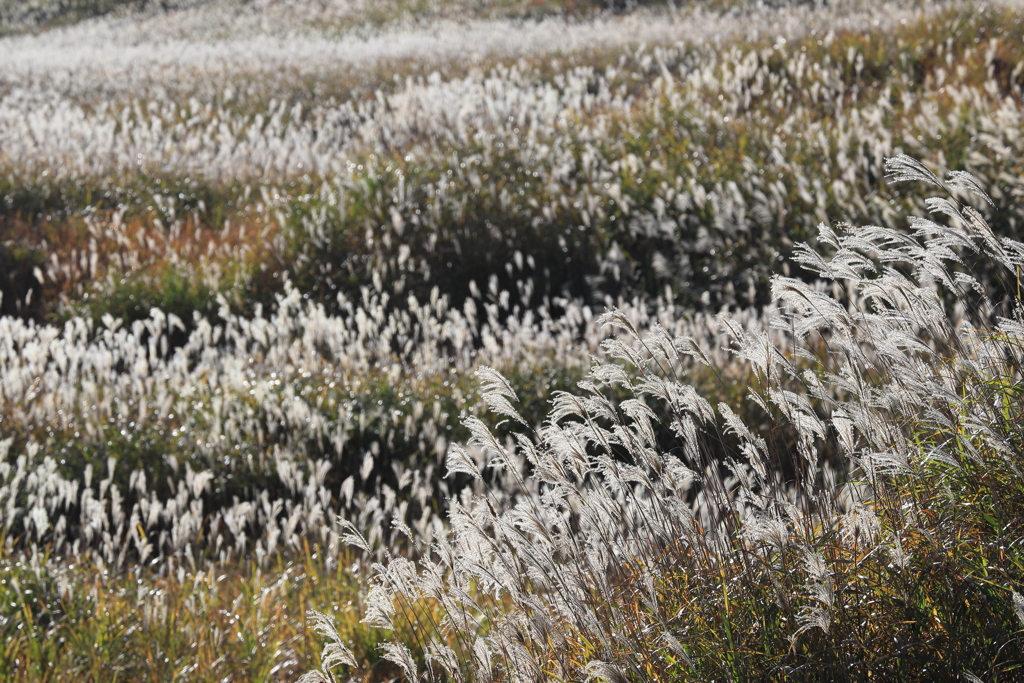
<point x="400" y="655"/>
<point x="603" y="671"/>
<point x="335" y="652"/>
<point x="496" y="392"/>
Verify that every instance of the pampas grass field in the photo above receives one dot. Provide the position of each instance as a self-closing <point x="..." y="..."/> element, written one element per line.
<point x="522" y="340"/>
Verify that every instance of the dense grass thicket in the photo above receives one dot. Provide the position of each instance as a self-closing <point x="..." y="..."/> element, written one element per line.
<point x="484" y="341"/>
<point x="655" y="536"/>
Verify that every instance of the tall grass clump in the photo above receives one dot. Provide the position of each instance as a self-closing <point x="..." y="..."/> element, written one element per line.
<point x="868" y="529"/>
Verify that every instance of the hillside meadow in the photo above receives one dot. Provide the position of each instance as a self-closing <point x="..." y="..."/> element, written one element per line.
<point x="511" y="341"/>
